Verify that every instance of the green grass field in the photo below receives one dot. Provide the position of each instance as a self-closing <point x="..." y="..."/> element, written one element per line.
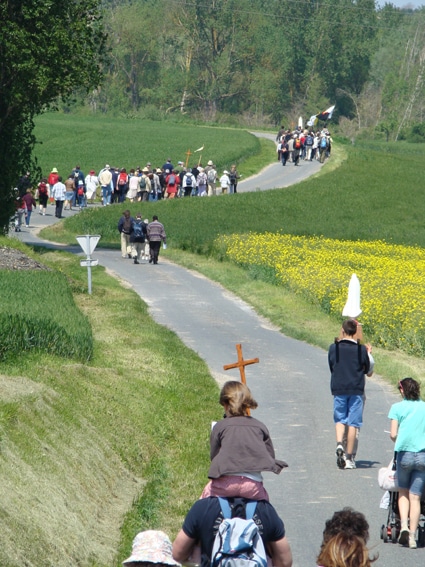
<point x="93" y="141"/>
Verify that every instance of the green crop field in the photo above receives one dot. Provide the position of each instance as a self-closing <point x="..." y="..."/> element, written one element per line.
<point x="93" y="141"/>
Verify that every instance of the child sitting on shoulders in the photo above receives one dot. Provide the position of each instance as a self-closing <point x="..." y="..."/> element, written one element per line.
<point x="241" y="449"/>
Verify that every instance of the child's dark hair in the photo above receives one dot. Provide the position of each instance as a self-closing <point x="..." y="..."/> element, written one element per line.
<point x="411" y="388"/>
<point x="238" y="398"/>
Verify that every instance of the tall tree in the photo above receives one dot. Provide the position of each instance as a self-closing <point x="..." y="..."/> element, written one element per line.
<point x="48" y="48"/>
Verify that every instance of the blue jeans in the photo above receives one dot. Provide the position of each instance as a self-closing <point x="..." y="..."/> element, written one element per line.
<point x="106" y="194"/>
<point x="411" y="471"/>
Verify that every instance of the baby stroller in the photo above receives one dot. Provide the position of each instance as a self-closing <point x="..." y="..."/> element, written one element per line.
<point x="391" y="530"/>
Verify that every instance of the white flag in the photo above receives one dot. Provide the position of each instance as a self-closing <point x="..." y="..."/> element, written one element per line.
<point x="199" y="150"/>
<point x="312" y="121"/>
<point x="352" y="307"/>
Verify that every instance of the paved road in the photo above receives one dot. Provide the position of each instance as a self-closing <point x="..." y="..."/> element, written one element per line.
<point x="276" y="176"/>
<point x="291" y="384"/>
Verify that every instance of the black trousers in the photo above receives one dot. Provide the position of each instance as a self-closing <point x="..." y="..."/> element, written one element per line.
<point x="154" y="246"/>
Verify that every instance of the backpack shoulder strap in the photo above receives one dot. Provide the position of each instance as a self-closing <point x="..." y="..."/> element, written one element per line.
<point x="250" y="509"/>
<point x="336" y="349"/>
<point x="225" y="507"/>
<point x="359" y="351"/>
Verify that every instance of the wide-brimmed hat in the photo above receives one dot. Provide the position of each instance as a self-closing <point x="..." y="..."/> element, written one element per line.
<point x="145" y="170"/>
<point x="107" y="166"/>
<point x="54" y="170"/>
<point x="159" y="170"/>
<point x="225" y="172"/>
<point x="152" y="546"/>
<point x="210" y="162"/>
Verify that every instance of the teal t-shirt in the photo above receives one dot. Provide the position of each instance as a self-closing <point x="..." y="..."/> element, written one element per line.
<point x="410" y="415"/>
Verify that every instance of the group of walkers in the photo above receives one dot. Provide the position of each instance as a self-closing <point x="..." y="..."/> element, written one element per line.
<point x="234" y="507"/>
<point x="166" y="182"/>
<point x="116" y="185"/>
<point x="350" y="362"/>
<point x="299" y="144"/>
<point x="141" y="239"/>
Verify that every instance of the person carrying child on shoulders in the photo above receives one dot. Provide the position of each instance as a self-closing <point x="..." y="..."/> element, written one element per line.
<point x="241" y="448"/>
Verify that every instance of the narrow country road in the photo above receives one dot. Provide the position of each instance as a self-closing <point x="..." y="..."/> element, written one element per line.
<point x="291" y="385"/>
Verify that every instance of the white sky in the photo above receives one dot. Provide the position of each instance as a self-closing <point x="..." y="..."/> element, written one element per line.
<point x="402" y="3"/>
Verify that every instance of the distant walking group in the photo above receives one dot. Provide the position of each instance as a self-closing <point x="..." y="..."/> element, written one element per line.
<point x="166" y="182"/>
<point x="141" y="239"/>
<point x="302" y="144"/>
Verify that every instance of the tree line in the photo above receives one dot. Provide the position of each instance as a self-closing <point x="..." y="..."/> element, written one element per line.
<point x="265" y="61"/>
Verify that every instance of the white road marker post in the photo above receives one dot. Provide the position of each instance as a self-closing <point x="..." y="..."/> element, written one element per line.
<point x="88" y="243"/>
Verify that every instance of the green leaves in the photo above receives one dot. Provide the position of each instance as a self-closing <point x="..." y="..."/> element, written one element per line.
<point x="47" y="50"/>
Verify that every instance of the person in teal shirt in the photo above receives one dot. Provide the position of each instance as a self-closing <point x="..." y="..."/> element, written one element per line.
<point x="408" y="432"/>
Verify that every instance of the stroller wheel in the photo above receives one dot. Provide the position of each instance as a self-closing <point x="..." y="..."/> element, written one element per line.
<point x="394" y="535"/>
<point x="384" y="533"/>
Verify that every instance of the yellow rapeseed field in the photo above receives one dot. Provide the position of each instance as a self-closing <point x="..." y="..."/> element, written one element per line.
<point x="392" y="279"/>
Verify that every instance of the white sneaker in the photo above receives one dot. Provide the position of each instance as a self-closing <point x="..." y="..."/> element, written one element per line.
<point x="412" y="541"/>
<point x="350" y="464"/>
<point x="340" y="456"/>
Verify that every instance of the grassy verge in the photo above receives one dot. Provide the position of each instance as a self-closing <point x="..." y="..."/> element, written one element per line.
<point x="92" y="453"/>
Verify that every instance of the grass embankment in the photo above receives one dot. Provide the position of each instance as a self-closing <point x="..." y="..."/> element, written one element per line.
<point x="364" y="199"/>
<point x="85" y="445"/>
<point x="44" y="319"/>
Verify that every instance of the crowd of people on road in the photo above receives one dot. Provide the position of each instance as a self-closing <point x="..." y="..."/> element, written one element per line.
<point x="166" y="182"/>
<point x="148" y="183"/>
<point x="303" y="144"/>
<point x="116" y="185"/>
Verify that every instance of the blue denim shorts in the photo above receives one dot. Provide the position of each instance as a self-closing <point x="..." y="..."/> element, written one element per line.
<point x="411" y="471"/>
<point x="348" y="410"/>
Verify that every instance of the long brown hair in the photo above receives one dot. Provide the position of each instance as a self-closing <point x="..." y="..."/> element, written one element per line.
<point x="344" y="550"/>
<point x="238" y="397"/>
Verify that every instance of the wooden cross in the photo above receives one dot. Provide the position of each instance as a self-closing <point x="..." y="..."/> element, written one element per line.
<point x="188" y="154"/>
<point x="241" y="363"/>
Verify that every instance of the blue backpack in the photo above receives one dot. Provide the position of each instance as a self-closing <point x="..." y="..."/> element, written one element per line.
<point x="138" y="229"/>
<point x="238" y="542"/>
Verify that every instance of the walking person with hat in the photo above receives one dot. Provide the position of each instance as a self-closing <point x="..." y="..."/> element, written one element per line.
<point x="151" y="548"/>
<point x="225" y="182"/>
<point x="51" y="180"/>
<point x="105" y="180"/>
<point x="211" y="178"/>
<point x="92" y="181"/>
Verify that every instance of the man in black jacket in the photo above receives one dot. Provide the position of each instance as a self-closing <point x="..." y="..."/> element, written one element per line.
<point x="349" y="362"/>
